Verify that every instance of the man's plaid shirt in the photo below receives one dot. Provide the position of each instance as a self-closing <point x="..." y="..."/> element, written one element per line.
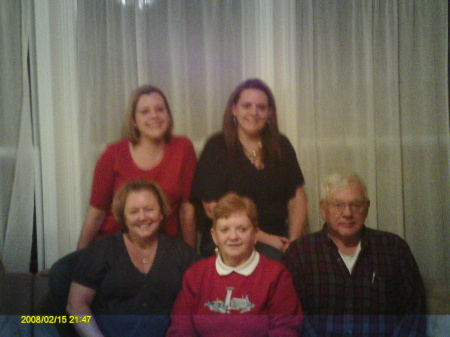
<point x="384" y="295"/>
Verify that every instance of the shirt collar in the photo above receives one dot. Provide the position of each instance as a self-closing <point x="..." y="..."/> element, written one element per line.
<point x="245" y="269"/>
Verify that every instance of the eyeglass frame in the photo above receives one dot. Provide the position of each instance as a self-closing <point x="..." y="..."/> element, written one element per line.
<point x="356" y="206"/>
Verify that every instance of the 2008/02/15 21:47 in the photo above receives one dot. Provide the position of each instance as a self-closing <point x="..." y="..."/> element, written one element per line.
<point x="55" y="319"/>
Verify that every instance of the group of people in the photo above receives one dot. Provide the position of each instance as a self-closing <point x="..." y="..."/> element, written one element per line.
<point x="137" y="271"/>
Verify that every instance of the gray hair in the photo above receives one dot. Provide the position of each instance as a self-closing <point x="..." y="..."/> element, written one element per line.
<point x="336" y="182"/>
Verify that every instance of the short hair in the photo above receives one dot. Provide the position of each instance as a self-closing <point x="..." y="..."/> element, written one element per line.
<point x="233" y="203"/>
<point x="131" y="130"/>
<point x="120" y="199"/>
<point x="336" y="182"/>
<point x="270" y="134"/>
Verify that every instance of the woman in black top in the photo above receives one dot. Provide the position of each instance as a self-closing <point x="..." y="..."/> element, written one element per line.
<point x="250" y="157"/>
<point x="129" y="280"/>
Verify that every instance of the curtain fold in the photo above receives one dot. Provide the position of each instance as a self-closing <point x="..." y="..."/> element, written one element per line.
<point x="17" y="155"/>
<point x="424" y="125"/>
<point x="10" y="94"/>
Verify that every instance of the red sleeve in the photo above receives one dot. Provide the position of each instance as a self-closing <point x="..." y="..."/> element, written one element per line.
<point x="189" y="165"/>
<point x="103" y="180"/>
<point x="285" y="311"/>
<point x="181" y="317"/>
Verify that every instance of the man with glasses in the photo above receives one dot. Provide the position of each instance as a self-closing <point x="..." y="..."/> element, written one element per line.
<point x="353" y="280"/>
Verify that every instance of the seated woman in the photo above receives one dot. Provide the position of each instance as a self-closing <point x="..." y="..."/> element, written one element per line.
<point x="129" y="280"/>
<point x="238" y="292"/>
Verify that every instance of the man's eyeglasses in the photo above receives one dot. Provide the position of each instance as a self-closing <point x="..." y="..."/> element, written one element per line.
<point x="356" y="206"/>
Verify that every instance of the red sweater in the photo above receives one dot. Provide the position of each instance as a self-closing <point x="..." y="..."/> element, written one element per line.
<point x="261" y="304"/>
<point x="174" y="174"/>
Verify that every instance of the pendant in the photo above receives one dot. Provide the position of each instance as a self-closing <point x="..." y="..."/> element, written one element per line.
<point x="145" y="260"/>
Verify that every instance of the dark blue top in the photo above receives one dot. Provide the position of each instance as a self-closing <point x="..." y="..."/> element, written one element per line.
<point x="126" y="300"/>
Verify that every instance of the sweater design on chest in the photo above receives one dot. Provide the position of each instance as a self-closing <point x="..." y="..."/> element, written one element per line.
<point x="230" y="303"/>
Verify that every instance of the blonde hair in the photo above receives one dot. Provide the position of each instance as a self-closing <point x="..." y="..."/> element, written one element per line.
<point x="336" y="182"/>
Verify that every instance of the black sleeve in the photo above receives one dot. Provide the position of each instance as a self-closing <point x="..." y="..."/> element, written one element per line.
<point x="292" y="172"/>
<point x="92" y="266"/>
<point x="212" y="172"/>
<point x="179" y="252"/>
<point x="188" y="256"/>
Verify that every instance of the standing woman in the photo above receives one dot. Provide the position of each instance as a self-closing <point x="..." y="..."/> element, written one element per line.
<point x="250" y="157"/>
<point x="149" y="152"/>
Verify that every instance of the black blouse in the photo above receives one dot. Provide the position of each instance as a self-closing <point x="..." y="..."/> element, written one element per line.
<point x="217" y="173"/>
<point x="106" y="267"/>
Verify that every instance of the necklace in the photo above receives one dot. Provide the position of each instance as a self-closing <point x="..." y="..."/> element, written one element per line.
<point x="145" y="258"/>
<point x="251" y="155"/>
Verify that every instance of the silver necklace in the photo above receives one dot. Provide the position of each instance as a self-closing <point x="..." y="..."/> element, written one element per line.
<point x="145" y="259"/>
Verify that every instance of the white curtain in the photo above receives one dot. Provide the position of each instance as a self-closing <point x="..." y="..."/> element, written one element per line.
<point x="360" y="86"/>
<point x="16" y="137"/>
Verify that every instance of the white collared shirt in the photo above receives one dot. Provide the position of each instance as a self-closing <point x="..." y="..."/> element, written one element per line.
<point x="245" y="269"/>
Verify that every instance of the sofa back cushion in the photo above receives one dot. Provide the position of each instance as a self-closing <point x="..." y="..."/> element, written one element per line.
<point x="4" y="307"/>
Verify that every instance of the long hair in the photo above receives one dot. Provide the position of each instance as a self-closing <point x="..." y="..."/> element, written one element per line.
<point x="270" y="133"/>
<point x="131" y="129"/>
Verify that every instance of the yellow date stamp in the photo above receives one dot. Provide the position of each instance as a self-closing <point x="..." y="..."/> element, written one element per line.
<point x="55" y="319"/>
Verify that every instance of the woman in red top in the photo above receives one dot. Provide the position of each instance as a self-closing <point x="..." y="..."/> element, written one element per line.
<point x="239" y="292"/>
<point x="149" y="152"/>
